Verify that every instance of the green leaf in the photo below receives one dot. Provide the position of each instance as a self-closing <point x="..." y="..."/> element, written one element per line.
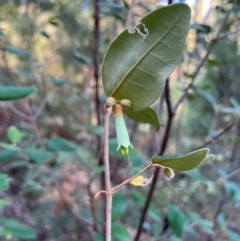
<point x="82" y="59"/>
<point x="135" y="68"/>
<point x="203" y="224"/>
<point x="110" y="5"/>
<point x="182" y="162"/>
<point x="147" y="115"/>
<point x="120" y="232"/>
<point x="38" y="156"/>
<point x="233" y="235"/>
<point x="4" y="203"/>
<point x="233" y="190"/>
<point x="6" y="155"/>
<point x="4" y="182"/>
<point x="58" y="82"/>
<point x="59" y="144"/>
<point x="14" y="135"/>
<point x="176" y="219"/>
<point x="119" y="206"/>
<point x="201" y="28"/>
<point x="96" y="130"/>
<point x="98" y="237"/>
<point x="17" y="229"/>
<point x="15" y="93"/>
<point x="18" y="52"/>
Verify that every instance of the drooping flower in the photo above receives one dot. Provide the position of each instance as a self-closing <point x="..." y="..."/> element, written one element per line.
<point x="121" y="129"/>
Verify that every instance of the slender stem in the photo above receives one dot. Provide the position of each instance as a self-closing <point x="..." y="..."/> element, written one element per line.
<point x="162" y="150"/>
<point x="213" y="42"/>
<point x="220" y="133"/>
<point x="129" y="16"/>
<point x="96" y="58"/>
<point x="115" y="189"/>
<point x="108" y="111"/>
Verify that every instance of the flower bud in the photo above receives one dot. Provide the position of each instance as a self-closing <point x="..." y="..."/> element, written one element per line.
<point x="168" y="172"/>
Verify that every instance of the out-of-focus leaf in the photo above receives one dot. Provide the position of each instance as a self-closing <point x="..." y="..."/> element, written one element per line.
<point x="44" y="33"/>
<point x="201" y="28"/>
<point x="6" y="155"/>
<point x="14" y="135"/>
<point x="213" y="62"/>
<point x="207" y="95"/>
<point x="152" y="212"/>
<point x="82" y="59"/>
<point x="233" y="235"/>
<point x="18" y="52"/>
<point x="138" y="198"/>
<point x="120" y="232"/>
<point x="15" y="93"/>
<point x="146" y="63"/>
<point x="233" y="190"/>
<point x="4" y="182"/>
<point x="1" y="33"/>
<point x="98" y="237"/>
<point x="144" y="6"/>
<point x="58" y="82"/>
<point x="141" y="181"/>
<point x="110" y="5"/>
<point x="96" y="130"/>
<point x="119" y="206"/>
<point x="203" y="224"/>
<point x="147" y="115"/>
<point x="176" y="219"/>
<point x="4" y="203"/>
<point x="60" y="144"/>
<point x="18" y="229"/>
<point x="221" y="220"/>
<point x="38" y="156"/>
<point x="182" y="162"/>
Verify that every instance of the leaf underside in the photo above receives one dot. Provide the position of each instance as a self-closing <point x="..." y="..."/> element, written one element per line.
<point x="147" y="115"/>
<point x="136" y="69"/>
<point x="182" y="162"/>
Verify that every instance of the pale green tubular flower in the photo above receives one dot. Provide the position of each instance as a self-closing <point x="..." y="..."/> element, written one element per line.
<point x="122" y="136"/>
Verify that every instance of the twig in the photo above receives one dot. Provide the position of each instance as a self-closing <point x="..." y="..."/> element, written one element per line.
<point x="19" y="113"/>
<point x="129" y="15"/>
<point x="220" y="133"/>
<point x="108" y="111"/>
<point x="162" y="150"/>
<point x="96" y="58"/>
<point x="203" y="60"/>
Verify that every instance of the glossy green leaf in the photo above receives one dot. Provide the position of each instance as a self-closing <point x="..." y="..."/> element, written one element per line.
<point x="135" y="68"/>
<point x="119" y="206"/>
<point x="15" y="93"/>
<point x="4" y="182"/>
<point x="38" y="156"/>
<point x="147" y="115"/>
<point x="14" y="135"/>
<point x="120" y="232"/>
<point x="60" y="144"/>
<point x="18" y="229"/>
<point x="6" y="155"/>
<point x="176" y="219"/>
<point x="182" y="162"/>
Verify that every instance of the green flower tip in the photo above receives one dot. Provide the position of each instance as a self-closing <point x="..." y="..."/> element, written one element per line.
<point x="124" y="150"/>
